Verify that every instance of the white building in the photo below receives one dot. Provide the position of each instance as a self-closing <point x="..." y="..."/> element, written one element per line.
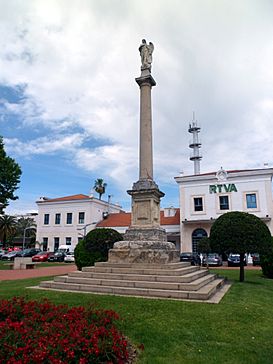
<point x="65" y="220"/>
<point x="204" y="197"/>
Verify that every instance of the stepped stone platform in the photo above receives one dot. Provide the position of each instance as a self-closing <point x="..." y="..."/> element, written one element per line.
<point x="172" y="280"/>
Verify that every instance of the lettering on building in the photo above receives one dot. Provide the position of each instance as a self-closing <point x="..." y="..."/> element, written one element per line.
<point x="222" y="188"/>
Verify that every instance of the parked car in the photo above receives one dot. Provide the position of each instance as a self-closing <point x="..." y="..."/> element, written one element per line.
<point x="193" y="258"/>
<point x="42" y="257"/>
<point x="11" y="255"/>
<point x="2" y="252"/>
<point x="234" y="260"/>
<point x="29" y="252"/>
<point x="69" y="257"/>
<point x="213" y="259"/>
<point x="256" y="259"/>
<point x="57" y="257"/>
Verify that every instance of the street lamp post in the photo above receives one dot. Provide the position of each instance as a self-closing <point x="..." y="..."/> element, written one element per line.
<point x="24" y="237"/>
<point x="84" y="228"/>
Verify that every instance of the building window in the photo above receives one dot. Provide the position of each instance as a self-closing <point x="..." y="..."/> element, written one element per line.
<point x="69" y="218"/>
<point x="45" y="244"/>
<point x="198" y="203"/>
<point x="68" y="241"/>
<point x="46" y="219"/>
<point x="224" y="202"/>
<point x="56" y="244"/>
<point x="81" y="217"/>
<point x="57" y="219"/>
<point x="251" y="201"/>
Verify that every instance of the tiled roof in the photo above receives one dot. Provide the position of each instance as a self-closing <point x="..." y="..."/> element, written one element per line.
<point x="124" y="219"/>
<point x="66" y="198"/>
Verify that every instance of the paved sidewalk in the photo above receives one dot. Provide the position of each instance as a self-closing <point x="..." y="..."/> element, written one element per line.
<point x="37" y="272"/>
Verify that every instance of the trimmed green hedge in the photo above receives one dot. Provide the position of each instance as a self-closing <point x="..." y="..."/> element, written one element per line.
<point x="95" y="247"/>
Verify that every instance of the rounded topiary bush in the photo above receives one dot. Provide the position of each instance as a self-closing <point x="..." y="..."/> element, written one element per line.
<point x="95" y="247"/>
<point x="240" y="232"/>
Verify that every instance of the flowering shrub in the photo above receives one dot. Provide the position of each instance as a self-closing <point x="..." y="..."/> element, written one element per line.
<point x="33" y="332"/>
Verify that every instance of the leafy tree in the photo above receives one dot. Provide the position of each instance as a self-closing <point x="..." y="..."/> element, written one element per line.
<point x="10" y="173"/>
<point x="7" y="228"/>
<point x="95" y="247"/>
<point x="240" y="233"/>
<point x="100" y="187"/>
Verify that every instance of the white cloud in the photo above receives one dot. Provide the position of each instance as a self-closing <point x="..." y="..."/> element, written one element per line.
<point x="117" y="162"/>
<point x="78" y="61"/>
<point x="44" y="145"/>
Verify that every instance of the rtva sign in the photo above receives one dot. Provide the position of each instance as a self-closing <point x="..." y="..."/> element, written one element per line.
<point x="222" y="188"/>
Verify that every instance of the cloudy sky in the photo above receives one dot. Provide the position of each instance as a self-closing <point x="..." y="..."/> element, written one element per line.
<point x="69" y="104"/>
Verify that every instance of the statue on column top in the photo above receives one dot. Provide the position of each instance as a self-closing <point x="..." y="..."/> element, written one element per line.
<point x="146" y="51"/>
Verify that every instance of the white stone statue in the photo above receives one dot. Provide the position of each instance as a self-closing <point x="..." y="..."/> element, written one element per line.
<point x="146" y="51"/>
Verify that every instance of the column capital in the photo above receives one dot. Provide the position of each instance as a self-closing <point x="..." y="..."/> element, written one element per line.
<point x="145" y="79"/>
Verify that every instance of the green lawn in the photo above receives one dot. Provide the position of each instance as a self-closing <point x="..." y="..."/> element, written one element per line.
<point x="238" y="330"/>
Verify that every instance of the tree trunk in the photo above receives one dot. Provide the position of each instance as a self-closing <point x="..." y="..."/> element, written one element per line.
<point x="242" y="271"/>
<point x="4" y="240"/>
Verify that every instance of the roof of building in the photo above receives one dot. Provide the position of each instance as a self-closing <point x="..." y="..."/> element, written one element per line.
<point x="124" y="219"/>
<point x="228" y="171"/>
<point x="66" y="198"/>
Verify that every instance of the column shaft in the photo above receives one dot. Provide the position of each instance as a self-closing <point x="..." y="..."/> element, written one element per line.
<point x="146" y="142"/>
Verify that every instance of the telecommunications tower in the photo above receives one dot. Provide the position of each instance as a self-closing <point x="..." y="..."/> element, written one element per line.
<point x="195" y="145"/>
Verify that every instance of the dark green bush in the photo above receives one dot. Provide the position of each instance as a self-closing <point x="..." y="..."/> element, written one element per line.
<point x="82" y="258"/>
<point x="267" y="265"/>
<point x="95" y="247"/>
<point x="267" y="262"/>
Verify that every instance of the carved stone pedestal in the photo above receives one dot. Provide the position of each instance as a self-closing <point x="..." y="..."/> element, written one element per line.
<point x="139" y="251"/>
<point x="145" y="241"/>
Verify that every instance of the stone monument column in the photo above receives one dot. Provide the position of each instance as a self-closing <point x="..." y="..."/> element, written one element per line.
<point x="145" y="139"/>
<point x="145" y="241"/>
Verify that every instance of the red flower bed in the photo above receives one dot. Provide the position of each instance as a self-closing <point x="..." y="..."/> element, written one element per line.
<point x="33" y="332"/>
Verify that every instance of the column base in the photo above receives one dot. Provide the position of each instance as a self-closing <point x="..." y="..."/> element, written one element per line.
<point x="139" y="251"/>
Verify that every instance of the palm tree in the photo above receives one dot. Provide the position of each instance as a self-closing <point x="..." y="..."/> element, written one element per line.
<point x="23" y="223"/>
<point x="7" y="227"/>
<point x="100" y="187"/>
<point x="26" y="226"/>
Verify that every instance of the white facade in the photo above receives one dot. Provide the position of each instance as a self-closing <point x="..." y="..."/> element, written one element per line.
<point x="64" y="221"/>
<point x="204" y="197"/>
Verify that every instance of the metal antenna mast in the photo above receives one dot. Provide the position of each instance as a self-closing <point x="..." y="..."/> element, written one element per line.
<point x="195" y="144"/>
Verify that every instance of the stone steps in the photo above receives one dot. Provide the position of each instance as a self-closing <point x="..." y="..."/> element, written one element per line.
<point x="202" y="294"/>
<point x="186" y="278"/>
<point x="193" y="286"/>
<point x="176" y="280"/>
<point x="174" y="271"/>
<point x="140" y="265"/>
